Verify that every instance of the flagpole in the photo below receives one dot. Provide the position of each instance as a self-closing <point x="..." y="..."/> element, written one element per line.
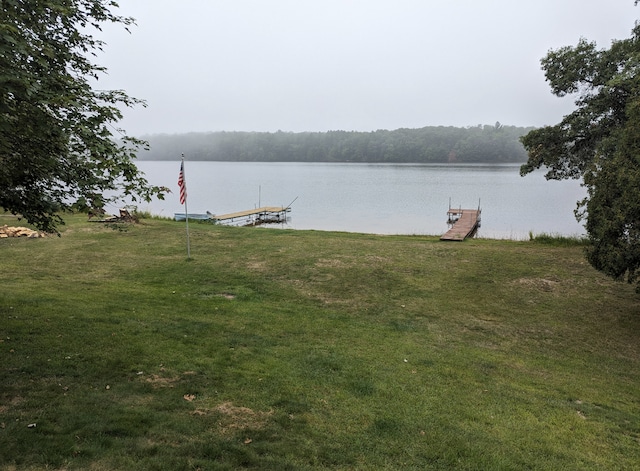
<point x="186" y="210"/>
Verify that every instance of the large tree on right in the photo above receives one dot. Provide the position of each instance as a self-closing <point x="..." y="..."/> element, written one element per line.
<point x="600" y="143"/>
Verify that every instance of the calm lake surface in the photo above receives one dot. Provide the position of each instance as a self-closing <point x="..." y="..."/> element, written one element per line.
<point x="375" y="198"/>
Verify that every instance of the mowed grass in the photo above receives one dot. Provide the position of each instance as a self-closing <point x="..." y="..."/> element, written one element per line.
<point x="303" y="350"/>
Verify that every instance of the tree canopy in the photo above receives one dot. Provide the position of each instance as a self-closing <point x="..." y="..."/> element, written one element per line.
<point x="599" y="142"/>
<point x="482" y="143"/>
<point x="59" y="148"/>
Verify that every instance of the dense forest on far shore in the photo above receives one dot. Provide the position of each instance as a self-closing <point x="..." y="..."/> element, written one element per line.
<point x="433" y="144"/>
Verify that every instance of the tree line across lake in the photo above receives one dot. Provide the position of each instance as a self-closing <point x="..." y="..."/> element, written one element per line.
<point x="433" y="144"/>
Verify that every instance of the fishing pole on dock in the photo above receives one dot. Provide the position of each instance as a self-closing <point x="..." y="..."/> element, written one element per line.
<point x="289" y="205"/>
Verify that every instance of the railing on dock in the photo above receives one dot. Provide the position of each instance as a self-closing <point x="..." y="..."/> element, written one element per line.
<point x="254" y="217"/>
<point x="250" y="217"/>
<point x="465" y="223"/>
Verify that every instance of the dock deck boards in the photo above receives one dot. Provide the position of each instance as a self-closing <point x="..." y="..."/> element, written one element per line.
<point x="466" y="224"/>
<point x="250" y="212"/>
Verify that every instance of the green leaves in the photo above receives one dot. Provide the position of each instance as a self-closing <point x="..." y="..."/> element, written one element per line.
<point x="56" y="140"/>
<point x="599" y="142"/>
<point x="568" y="68"/>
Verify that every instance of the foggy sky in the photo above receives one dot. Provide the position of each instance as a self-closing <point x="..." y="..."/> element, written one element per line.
<point x="303" y="65"/>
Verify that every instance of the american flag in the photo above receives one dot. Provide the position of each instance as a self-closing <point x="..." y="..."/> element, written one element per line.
<point x="182" y="184"/>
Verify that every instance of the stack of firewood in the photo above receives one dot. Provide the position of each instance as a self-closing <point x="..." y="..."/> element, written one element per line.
<point x="8" y="231"/>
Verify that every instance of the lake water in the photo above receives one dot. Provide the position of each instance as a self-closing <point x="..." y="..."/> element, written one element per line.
<point x="375" y="198"/>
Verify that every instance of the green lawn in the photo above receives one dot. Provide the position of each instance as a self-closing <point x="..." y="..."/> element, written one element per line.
<point x="304" y="350"/>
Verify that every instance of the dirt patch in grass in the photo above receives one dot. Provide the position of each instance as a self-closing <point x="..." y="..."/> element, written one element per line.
<point x="234" y="418"/>
<point x="13" y="402"/>
<point x="208" y="295"/>
<point x="159" y="381"/>
<point x="257" y="265"/>
<point x="330" y="263"/>
<point x="350" y="261"/>
<point x="240" y="418"/>
<point x="541" y="284"/>
<point x="377" y="259"/>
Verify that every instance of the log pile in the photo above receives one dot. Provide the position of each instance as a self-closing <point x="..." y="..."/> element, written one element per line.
<point x="9" y="231"/>
<point x="125" y="216"/>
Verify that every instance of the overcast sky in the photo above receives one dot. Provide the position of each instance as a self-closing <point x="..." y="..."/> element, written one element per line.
<point x="318" y="65"/>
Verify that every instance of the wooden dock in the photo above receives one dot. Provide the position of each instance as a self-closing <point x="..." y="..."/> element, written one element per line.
<point x="465" y="223"/>
<point x="254" y="217"/>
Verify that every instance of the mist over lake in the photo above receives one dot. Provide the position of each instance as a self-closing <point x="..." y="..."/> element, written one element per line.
<point x="375" y="198"/>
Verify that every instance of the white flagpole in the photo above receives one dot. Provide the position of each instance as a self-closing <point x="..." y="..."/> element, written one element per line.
<point x="186" y="210"/>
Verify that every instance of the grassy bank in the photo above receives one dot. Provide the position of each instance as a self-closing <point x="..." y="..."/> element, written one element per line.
<point x="277" y="349"/>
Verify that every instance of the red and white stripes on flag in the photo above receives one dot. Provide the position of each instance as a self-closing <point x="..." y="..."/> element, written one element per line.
<point x="182" y="184"/>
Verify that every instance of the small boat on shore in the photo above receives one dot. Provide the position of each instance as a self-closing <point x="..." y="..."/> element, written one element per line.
<point x="194" y="216"/>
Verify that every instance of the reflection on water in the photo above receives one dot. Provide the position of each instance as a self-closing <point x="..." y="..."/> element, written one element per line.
<point x="376" y="198"/>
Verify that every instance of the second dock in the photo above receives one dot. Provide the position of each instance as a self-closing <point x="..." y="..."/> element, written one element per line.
<point x="465" y="223"/>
